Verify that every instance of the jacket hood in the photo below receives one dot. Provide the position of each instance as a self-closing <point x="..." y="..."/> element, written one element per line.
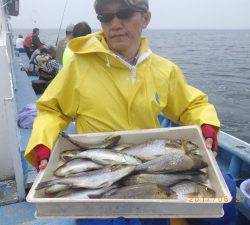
<point x="95" y="43"/>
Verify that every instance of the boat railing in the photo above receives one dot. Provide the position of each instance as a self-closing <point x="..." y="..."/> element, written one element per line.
<point x="9" y="131"/>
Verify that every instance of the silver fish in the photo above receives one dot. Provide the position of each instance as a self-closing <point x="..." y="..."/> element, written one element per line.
<point x="121" y="147"/>
<point x="83" y="193"/>
<point x="156" y="148"/>
<point x="108" y="142"/>
<point x="76" y="166"/>
<point x="173" y="161"/>
<point x="189" y="146"/>
<point x="187" y="189"/>
<point x="141" y="191"/>
<point x="102" y="156"/>
<point x="182" y="144"/>
<point x="164" y="179"/>
<point x="95" y="179"/>
<point x="56" y="188"/>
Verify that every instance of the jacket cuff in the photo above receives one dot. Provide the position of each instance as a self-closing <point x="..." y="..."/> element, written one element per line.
<point x="210" y="131"/>
<point x="41" y="152"/>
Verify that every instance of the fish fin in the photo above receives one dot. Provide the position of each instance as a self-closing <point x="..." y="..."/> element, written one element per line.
<point x="122" y="147"/>
<point x="195" y="154"/>
<point x="56" y="171"/>
<point x="66" y="158"/>
<point x="200" y="178"/>
<point x="44" y="184"/>
<point x="187" y="172"/>
<point x="161" y="186"/>
<point x="168" y="191"/>
<point x="76" y="143"/>
<point x="114" y="139"/>
<point x="111" y="190"/>
<point x="139" y="167"/>
<point x="59" y="176"/>
<point x="186" y="146"/>
<point x="202" y="165"/>
<point x="62" y="194"/>
<point x="105" y="184"/>
<point x="71" y="172"/>
<point x="95" y="196"/>
<point x="198" y="163"/>
<point x="190" y="195"/>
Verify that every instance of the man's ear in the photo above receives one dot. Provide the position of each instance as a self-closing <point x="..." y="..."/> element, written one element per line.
<point x="146" y="19"/>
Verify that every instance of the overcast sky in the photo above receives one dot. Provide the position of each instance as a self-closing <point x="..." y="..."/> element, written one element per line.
<point x="166" y="14"/>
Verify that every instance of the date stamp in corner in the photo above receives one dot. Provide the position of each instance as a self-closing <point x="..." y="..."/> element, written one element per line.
<point x="222" y="199"/>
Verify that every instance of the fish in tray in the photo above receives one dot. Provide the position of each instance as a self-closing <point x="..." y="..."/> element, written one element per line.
<point x="102" y="156"/>
<point x="155" y="148"/>
<point x="173" y="161"/>
<point x="76" y="166"/>
<point x="189" y="189"/>
<point x="55" y="188"/>
<point x="108" y="142"/>
<point x="140" y="191"/>
<point x="165" y="179"/>
<point x="95" y="179"/>
<point x="121" y="147"/>
<point x="82" y="193"/>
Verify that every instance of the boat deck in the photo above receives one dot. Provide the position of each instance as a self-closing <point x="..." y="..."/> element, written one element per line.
<point x="24" y="95"/>
<point x="11" y="212"/>
<point x="23" y="213"/>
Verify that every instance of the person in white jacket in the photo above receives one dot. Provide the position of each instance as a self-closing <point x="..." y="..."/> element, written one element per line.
<point x="19" y="44"/>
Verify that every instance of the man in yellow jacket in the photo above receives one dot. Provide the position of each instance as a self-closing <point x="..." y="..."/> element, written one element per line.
<point x="114" y="82"/>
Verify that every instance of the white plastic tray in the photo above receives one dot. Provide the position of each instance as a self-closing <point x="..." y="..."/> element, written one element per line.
<point x="133" y="208"/>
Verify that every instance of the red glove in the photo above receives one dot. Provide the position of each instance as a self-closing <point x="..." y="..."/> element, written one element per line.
<point x="41" y="152"/>
<point x="209" y="131"/>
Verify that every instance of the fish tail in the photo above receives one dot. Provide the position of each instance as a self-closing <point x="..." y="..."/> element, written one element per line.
<point x="113" y="140"/>
<point x="45" y="184"/>
<point x="76" y="143"/>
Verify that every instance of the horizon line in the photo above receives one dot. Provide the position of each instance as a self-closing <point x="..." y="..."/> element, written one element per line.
<point x="26" y="28"/>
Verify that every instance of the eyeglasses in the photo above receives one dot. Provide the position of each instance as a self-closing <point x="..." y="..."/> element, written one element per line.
<point x="123" y="14"/>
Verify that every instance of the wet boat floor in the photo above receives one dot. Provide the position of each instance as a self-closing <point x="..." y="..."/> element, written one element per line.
<point x="8" y="192"/>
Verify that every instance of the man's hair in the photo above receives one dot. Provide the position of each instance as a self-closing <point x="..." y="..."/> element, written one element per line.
<point x="81" y="29"/>
<point x="20" y="36"/>
<point x="98" y="5"/>
<point x="137" y="5"/>
<point x="68" y="32"/>
<point x="35" y="30"/>
<point x="69" y="29"/>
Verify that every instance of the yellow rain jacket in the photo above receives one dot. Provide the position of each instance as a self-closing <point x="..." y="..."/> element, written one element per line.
<point x="102" y="92"/>
<point x="67" y="55"/>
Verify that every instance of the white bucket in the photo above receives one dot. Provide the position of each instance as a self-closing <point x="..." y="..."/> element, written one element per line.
<point x="245" y="188"/>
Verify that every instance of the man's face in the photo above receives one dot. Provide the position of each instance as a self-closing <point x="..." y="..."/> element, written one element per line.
<point x="123" y="34"/>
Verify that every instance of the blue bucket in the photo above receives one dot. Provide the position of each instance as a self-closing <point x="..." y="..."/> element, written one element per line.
<point x="245" y="189"/>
